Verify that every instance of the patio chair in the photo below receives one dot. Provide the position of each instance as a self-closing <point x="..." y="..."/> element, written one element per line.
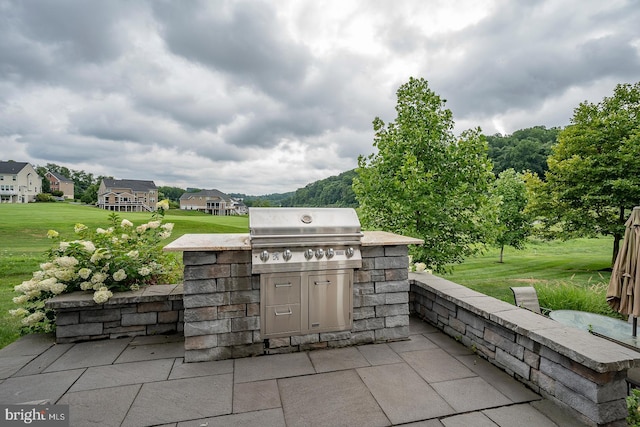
<point x="526" y="297"/>
<point x="633" y="379"/>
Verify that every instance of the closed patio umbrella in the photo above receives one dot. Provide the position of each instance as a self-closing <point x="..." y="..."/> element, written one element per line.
<point x="623" y="294"/>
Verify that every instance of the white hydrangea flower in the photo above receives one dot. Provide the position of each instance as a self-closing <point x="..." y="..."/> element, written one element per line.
<point x="20" y="299"/>
<point x="102" y="295"/>
<point x="101" y="230"/>
<point x="33" y="318"/>
<point x="65" y="274"/>
<point x="168" y="226"/>
<point x="144" y="271"/>
<point x="88" y="246"/>
<point x="163" y="204"/>
<point x="84" y="273"/>
<point x="25" y="286"/>
<point x="154" y="224"/>
<point x="52" y="234"/>
<point x="35" y="293"/>
<point x="133" y="254"/>
<point x="66" y="261"/>
<point x="142" y="228"/>
<point x="79" y="228"/>
<point x="63" y="246"/>
<point x="164" y="234"/>
<point x="18" y="312"/>
<point x="98" y="278"/>
<point x="126" y="223"/>
<point x="47" y="266"/>
<point x="58" y="288"/>
<point x="119" y="275"/>
<point x="45" y="285"/>
<point x="134" y="287"/>
<point x="420" y="267"/>
<point x="85" y="286"/>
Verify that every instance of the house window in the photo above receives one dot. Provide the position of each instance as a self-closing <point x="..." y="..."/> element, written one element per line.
<point x="15" y="177"/>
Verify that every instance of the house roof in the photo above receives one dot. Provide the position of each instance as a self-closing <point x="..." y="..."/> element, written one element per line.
<point x="205" y="193"/>
<point x="132" y="184"/>
<point x="12" y="167"/>
<point x="60" y="177"/>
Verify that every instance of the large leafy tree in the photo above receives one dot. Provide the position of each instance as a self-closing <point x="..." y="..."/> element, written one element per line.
<point x="514" y="224"/>
<point x="424" y="182"/>
<point x="593" y="181"/>
<point x="524" y="150"/>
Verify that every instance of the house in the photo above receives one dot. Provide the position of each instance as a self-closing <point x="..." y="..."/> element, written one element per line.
<point x="58" y="182"/>
<point x="213" y="202"/>
<point x="127" y="195"/>
<point x="19" y="182"/>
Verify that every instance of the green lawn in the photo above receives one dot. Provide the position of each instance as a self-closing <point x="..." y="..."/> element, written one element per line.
<point x="579" y="263"/>
<point x="23" y="237"/>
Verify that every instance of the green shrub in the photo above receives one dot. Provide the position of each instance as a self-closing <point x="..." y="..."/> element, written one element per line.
<point x="568" y="296"/>
<point x="44" y="197"/>
<point x="633" y="401"/>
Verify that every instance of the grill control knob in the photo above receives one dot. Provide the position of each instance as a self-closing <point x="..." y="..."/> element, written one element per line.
<point x="330" y="253"/>
<point x="308" y="254"/>
<point x="287" y="254"/>
<point x="350" y="252"/>
<point x="319" y="253"/>
<point x="264" y="256"/>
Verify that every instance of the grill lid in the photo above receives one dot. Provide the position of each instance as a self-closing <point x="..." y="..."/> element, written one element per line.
<point x="271" y="226"/>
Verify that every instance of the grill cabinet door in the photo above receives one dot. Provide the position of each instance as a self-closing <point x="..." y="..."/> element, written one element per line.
<point x="281" y="303"/>
<point x="330" y="301"/>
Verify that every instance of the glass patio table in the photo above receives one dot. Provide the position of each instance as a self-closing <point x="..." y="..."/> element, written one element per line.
<point x="605" y="326"/>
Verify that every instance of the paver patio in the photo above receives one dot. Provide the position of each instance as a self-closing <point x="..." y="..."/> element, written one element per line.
<point x="430" y="380"/>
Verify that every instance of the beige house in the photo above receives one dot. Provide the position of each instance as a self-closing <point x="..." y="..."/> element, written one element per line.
<point x="127" y="195"/>
<point x="213" y="202"/>
<point x="19" y="182"/>
<point x="58" y="182"/>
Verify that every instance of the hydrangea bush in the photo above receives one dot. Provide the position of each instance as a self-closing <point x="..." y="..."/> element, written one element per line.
<point x="121" y="257"/>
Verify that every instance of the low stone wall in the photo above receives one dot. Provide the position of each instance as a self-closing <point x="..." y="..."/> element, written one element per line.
<point x="222" y="305"/>
<point x="568" y="366"/>
<point x="149" y="311"/>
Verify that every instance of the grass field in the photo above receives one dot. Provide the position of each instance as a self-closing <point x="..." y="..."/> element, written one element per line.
<point x="580" y="263"/>
<point x="23" y="240"/>
<point x="547" y="265"/>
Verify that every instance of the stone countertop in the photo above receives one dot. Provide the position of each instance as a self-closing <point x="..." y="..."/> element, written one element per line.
<point x="242" y="242"/>
<point x="384" y="238"/>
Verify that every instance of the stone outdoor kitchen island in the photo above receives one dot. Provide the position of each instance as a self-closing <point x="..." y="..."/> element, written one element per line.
<point x="222" y="298"/>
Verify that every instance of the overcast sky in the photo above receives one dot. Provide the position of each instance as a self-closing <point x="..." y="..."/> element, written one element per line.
<point x="260" y="97"/>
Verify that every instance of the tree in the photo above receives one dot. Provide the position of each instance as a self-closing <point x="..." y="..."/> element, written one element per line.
<point x="514" y="224"/>
<point x="526" y="149"/>
<point x="593" y="181"/>
<point x="46" y="185"/>
<point x="171" y="193"/>
<point x="424" y="182"/>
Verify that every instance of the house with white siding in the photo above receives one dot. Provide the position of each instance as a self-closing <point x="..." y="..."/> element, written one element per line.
<point x="19" y="182"/>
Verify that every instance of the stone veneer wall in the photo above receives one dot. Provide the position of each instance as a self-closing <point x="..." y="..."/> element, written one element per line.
<point x="568" y="366"/>
<point x="149" y="311"/>
<point x="222" y="305"/>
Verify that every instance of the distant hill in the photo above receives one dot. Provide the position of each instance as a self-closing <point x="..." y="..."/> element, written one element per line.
<point x="334" y="191"/>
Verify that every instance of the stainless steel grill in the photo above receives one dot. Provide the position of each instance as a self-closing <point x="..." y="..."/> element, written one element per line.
<point x="303" y="239"/>
<point x="305" y="258"/>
